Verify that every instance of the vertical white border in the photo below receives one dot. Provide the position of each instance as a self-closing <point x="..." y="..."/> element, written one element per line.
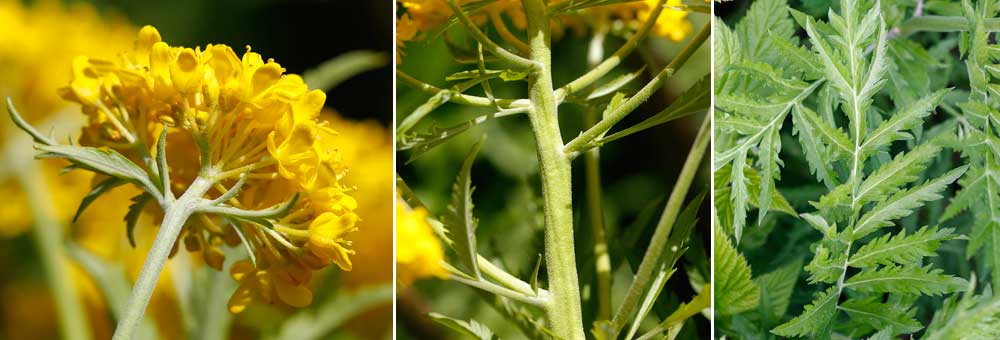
<point x="392" y="127"/>
<point x="711" y="174"/>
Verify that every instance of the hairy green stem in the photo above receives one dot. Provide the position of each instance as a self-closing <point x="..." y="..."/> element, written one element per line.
<point x="175" y="216"/>
<point x="49" y="239"/>
<point x="651" y="259"/>
<point x="563" y="311"/>
<point x="585" y="140"/>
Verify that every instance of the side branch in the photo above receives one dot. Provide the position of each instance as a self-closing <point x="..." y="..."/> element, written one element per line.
<point x="663" y="228"/>
<point x="488" y="44"/>
<point x="615" y="59"/>
<point x="587" y="139"/>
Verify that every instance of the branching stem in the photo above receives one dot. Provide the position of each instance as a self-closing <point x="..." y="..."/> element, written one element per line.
<point x="175" y="216"/>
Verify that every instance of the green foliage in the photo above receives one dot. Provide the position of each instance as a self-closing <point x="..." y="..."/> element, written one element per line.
<point x="459" y="222"/>
<point x="864" y="149"/>
<point x="734" y="291"/>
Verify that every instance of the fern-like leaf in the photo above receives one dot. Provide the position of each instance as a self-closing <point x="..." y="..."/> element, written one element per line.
<point x="905" y="279"/>
<point x="901" y="248"/>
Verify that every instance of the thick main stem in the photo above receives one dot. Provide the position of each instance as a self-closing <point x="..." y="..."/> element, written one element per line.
<point x="174" y="218"/>
<point x="563" y="311"/>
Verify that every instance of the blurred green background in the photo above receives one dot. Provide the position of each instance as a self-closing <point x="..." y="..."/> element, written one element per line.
<point x="638" y="173"/>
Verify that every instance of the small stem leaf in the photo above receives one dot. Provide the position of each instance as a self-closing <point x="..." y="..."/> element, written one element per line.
<point x="693" y="101"/>
<point x="534" y="274"/>
<point x="23" y="125"/>
<point x="95" y="192"/>
<point x="506" y="75"/>
<point x="103" y="161"/>
<point x="132" y="216"/>
<point x="161" y="163"/>
<point x="468" y="328"/>
<point x="422" y="142"/>
<point x="460" y="222"/>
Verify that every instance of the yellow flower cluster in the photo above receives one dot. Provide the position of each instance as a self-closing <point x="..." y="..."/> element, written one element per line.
<point x="254" y="120"/>
<point x="421" y="16"/>
<point x="418" y="250"/>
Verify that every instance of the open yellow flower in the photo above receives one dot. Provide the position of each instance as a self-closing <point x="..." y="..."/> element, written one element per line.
<point x="240" y="120"/>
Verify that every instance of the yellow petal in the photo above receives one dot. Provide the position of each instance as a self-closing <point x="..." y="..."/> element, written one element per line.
<point x="186" y="72"/>
<point x="85" y="85"/>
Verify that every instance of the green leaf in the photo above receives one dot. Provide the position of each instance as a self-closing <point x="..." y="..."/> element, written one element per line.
<point x="95" y="192"/>
<point x="468" y="328"/>
<point x="764" y="17"/>
<point x="734" y="291"/>
<point x="798" y="57"/>
<point x="132" y="216"/>
<point x="835" y="72"/>
<point x="695" y="100"/>
<point x="885" y="334"/>
<point x="901" y="249"/>
<point x="104" y="161"/>
<point x="904" y="168"/>
<point x="776" y="289"/>
<point x="907" y="118"/>
<point x="19" y="121"/>
<point x="814" y="319"/>
<point x="459" y="222"/>
<point x="738" y="185"/>
<point x="827" y="266"/>
<point x="689" y="309"/>
<point x="905" y="279"/>
<point x="904" y="202"/>
<point x="822" y="144"/>
<point x="726" y="47"/>
<point x="506" y="75"/>
<point x="973" y="189"/>
<point x="879" y="315"/>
